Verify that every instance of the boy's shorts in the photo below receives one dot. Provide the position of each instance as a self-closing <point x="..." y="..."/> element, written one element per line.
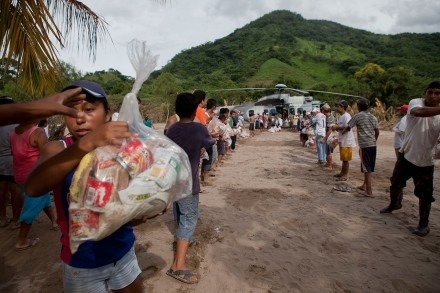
<point x="32" y="207"/>
<point x="114" y="276"/>
<point x="206" y="164"/>
<point x="368" y="159"/>
<point x="220" y="147"/>
<point x="186" y="212"/>
<point x="329" y="149"/>
<point x="346" y="153"/>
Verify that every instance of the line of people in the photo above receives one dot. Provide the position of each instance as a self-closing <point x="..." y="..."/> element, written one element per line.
<point x="111" y="263"/>
<point x="417" y="136"/>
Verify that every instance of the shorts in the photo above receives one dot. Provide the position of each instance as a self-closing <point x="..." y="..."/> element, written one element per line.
<point x="368" y="159"/>
<point x="113" y="276"/>
<point x="346" y="153"/>
<point x="206" y="164"/>
<point x="304" y="136"/>
<point x="7" y="178"/>
<point x="220" y="147"/>
<point x="329" y="149"/>
<point x="186" y="212"/>
<point x="32" y="207"/>
<point x="251" y="126"/>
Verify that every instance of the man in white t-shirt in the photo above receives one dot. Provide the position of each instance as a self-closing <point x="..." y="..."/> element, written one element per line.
<point x="318" y="120"/>
<point x="346" y="140"/>
<point x="415" y="158"/>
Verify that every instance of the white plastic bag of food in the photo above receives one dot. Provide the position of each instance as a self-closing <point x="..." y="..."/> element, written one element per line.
<point x="112" y="186"/>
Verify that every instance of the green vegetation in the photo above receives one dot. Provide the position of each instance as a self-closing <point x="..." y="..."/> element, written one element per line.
<point x="283" y="47"/>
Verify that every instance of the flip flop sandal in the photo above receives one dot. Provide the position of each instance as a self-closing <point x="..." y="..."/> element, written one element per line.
<point x="14" y="225"/>
<point x="5" y="222"/>
<point x="341" y="179"/>
<point x="342" y="188"/>
<point x="31" y="243"/>
<point x="183" y="276"/>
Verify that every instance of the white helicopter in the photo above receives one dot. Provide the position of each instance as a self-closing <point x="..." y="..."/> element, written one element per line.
<point x="280" y="103"/>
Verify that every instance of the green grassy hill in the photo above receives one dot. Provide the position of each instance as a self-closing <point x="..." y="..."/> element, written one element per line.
<point x="283" y="46"/>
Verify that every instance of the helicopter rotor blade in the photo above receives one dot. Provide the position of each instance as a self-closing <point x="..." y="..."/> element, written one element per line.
<point x="296" y="90"/>
<point x="239" y="89"/>
<point x="333" y="93"/>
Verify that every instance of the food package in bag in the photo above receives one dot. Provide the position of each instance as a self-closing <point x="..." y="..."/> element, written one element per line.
<point x="109" y="193"/>
<point x="112" y="186"/>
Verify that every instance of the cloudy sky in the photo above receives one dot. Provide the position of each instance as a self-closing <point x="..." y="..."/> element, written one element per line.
<point x="181" y="24"/>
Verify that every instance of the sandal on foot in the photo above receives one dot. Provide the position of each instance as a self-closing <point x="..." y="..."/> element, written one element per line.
<point x="337" y="175"/>
<point x="14" y="225"/>
<point x="184" y="276"/>
<point x="342" y="188"/>
<point x="30" y="243"/>
<point x="5" y="222"/>
<point x="341" y="179"/>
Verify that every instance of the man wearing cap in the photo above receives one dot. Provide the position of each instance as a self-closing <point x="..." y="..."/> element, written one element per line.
<point x="415" y="157"/>
<point x="399" y="130"/>
<point x="346" y="140"/>
<point x="367" y="134"/>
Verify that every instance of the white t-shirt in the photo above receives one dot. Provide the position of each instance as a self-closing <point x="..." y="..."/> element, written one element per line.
<point x="346" y="139"/>
<point x="421" y="136"/>
<point x="319" y="119"/>
<point x="399" y="132"/>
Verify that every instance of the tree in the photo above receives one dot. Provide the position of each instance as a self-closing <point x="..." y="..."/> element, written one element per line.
<point x="165" y="90"/>
<point x="398" y="84"/>
<point x="370" y="78"/>
<point x="30" y="30"/>
<point x="68" y="73"/>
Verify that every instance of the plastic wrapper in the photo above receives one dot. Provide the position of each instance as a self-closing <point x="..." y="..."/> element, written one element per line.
<point x="112" y="186"/>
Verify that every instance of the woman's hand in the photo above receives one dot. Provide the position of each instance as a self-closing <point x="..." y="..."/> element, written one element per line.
<point x="112" y="133"/>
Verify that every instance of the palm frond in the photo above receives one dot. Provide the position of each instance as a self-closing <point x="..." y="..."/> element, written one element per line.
<point x="27" y="28"/>
<point x="74" y="16"/>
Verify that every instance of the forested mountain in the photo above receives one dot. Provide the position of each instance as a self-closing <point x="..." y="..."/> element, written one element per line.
<point x="284" y="47"/>
<point x="280" y="47"/>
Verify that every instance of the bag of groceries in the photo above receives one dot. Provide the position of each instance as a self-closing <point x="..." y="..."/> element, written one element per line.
<point x="112" y="186"/>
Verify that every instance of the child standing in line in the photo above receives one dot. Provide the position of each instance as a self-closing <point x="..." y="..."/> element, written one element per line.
<point x="97" y="266"/>
<point x="221" y="144"/>
<point x="191" y="137"/>
<point x="27" y="141"/>
<point x="252" y="124"/>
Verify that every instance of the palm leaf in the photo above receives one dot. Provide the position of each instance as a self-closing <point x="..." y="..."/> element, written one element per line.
<point x="27" y="28"/>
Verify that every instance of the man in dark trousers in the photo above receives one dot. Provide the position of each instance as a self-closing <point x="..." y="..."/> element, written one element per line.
<point x="415" y="158"/>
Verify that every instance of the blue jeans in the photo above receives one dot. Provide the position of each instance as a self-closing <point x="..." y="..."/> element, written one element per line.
<point x="321" y="148"/>
<point x="185" y="213"/>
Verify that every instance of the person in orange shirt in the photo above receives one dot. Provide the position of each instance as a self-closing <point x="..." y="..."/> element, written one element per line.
<point x="200" y="113"/>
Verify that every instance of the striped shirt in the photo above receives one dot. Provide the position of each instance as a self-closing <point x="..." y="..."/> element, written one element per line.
<point x="366" y="123"/>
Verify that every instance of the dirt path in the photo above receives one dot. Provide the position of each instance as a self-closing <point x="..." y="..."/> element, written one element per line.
<point x="272" y="223"/>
